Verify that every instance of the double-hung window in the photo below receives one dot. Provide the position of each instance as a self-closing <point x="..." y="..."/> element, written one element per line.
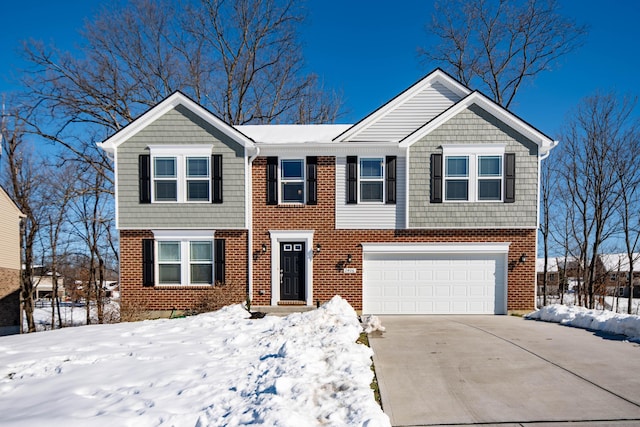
<point x="371" y="179"/>
<point x="165" y="179"/>
<point x="473" y="173"/>
<point x="292" y="181"/>
<point x="181" y="173"/>
<point x="490" y="178"/>
<point x="198" y="180"/>
<point x="184" y="259"/>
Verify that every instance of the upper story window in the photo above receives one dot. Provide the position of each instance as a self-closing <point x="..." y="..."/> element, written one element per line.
<point x="371" y="179"/>
<point x="292" y="181"/>
<point x="181" y="174"/>
<point x="473" y="173"/>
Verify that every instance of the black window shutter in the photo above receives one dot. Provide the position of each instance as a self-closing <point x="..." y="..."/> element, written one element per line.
<point x="312" y="180"/>
<point x="510" y="177"/>
<point x="272" y="180"/>
<point x="216" y="178"/>
<point x="144" y="177"/>
<point x="147" y="262"/>
<point x="391" y="180"/>
<point x="352" y="179"/>
<point x="436" y="178"/>
<point x="219" y="253"/>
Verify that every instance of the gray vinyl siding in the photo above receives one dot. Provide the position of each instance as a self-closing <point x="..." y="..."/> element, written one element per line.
<point x="410" y="115"/>
<point x="180" y="126"/>
<point x="473" y="126"/>
<point x="369" y="215"/>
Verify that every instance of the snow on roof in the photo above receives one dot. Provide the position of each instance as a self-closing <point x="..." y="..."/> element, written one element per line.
<point x="283" y="134"/>
<point x="615" y="262"/>
<point x="552" y="265"/>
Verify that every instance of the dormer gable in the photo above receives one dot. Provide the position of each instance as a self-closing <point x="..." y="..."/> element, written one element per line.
<point x="408" y="111"/>
<point x="169" y="103"/>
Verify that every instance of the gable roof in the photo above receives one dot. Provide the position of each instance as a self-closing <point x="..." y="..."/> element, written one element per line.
<point x="436" y="92"/>
<point x="544" y="142"/>
<point x="288" y="134"/>
<point x="169" y="103"/>
<point x="619" y="262"/>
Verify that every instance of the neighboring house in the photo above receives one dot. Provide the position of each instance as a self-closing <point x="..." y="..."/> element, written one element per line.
<point x="43" y="283"/>
<point x="616" y="271"/>
<point x="10" y="217"/>
<point x="553" y="276"/>
<point x="427" y="205"/>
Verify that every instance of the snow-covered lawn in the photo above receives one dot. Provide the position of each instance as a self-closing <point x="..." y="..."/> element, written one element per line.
<point x="215" y="369"/>
<point x="597" y="320"/>
<point x="71" y="314"/>
<point x="618" y="305"/>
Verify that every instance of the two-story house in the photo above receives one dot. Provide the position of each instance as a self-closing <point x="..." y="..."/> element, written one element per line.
<point x="10" y="218"/>
<point x="427" y="205"/>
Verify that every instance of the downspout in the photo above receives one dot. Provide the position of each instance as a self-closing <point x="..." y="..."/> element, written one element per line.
<point x="540" y="159"/>
<point x="249" y="204"/>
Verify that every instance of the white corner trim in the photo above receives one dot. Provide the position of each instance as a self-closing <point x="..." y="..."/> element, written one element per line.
<point x="279" y="236"/>
<point x="451" y="248"/>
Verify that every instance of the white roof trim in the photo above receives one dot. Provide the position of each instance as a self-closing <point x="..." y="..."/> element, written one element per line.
<point x="178" y="98"/>
<point x="436" y="76"/>
<point x="544" y="143"/>
<point x="451" y="248"/>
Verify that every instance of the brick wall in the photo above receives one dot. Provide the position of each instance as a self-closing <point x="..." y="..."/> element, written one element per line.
<point x="328" y="276"/>
<point x="163" y="298"/>
<point x="9" y="300"/>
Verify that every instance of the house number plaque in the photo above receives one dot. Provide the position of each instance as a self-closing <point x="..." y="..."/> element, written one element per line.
<point x="349" y="270"/>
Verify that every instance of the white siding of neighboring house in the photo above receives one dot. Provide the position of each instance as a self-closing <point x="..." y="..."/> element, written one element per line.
<point x="369" y="215"/>
<point x="9" y="233"/>
<point x="410" y="115"/>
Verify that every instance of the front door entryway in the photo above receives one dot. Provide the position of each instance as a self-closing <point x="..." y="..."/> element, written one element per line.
<point x="292" y="274"/>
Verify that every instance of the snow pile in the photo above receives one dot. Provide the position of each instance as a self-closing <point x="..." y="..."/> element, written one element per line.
<point x="372" y="323"/>
<point x="597" y="320"/>
<point x="215" y="369"/>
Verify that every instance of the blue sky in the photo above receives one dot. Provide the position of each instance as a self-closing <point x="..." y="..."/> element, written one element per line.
<point x="367" y="50"/>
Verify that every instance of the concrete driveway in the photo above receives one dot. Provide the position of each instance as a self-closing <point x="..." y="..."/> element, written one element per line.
<point x="466" y="370"/>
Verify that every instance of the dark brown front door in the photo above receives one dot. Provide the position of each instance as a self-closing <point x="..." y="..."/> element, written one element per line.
<point x="292" y="271"/>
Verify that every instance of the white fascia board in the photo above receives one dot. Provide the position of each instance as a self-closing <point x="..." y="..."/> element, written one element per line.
<point x="450" y="248"/>
<point x="436" y="76"/>
<point x="544" y="142"/>
<point x="325" y="149"/>
<point x="112" y="143"/>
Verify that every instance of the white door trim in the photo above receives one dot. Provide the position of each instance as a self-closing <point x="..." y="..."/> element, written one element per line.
<point x="279" y="236"/>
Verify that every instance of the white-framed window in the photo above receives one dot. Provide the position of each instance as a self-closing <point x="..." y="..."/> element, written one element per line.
<point x="473" y="173"/>
<point x="181" y="174"/>
<point x="292" y="180"/>
<point x="184" y="259"/>
<point x="371" y="177"/>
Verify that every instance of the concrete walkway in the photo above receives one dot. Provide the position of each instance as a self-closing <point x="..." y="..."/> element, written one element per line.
<point x="486" y="370"/>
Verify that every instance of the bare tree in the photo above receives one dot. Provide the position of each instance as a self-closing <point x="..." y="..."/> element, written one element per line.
<point x="547" y="193"/>
<point x="628" y="176"/>
<point x="24" y="183"/>
<point x="594" y="141"/>
<point x="499" y="44"/>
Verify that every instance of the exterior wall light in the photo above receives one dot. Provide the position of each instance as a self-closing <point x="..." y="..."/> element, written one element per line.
<point x="349" y="259"/>
<point x="318" y="247"/>
<point x="523" y="258"/>
<point x="264" y="248"/>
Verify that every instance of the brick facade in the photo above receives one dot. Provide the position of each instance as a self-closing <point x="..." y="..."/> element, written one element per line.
<point x="167" y="298"/>
<point x="328" y="276"/>
<point x="9" y="301"/>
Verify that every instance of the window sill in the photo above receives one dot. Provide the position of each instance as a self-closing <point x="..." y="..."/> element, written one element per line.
<point x="291" y="205"/>
<point x="181" y="287"/>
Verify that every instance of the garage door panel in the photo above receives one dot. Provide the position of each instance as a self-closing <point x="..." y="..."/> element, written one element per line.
<point x="431" y="283"/>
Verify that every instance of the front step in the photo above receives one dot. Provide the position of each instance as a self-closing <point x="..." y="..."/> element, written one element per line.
<point x="281" y="310"/>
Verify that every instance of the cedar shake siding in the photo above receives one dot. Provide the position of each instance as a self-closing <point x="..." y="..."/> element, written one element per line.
<point x="473" y="126"/>
<point x="180" y="126"/>
<point x="328" y="276"/>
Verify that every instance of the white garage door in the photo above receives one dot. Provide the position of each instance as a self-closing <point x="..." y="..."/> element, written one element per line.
<point x="432" y="283"/>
